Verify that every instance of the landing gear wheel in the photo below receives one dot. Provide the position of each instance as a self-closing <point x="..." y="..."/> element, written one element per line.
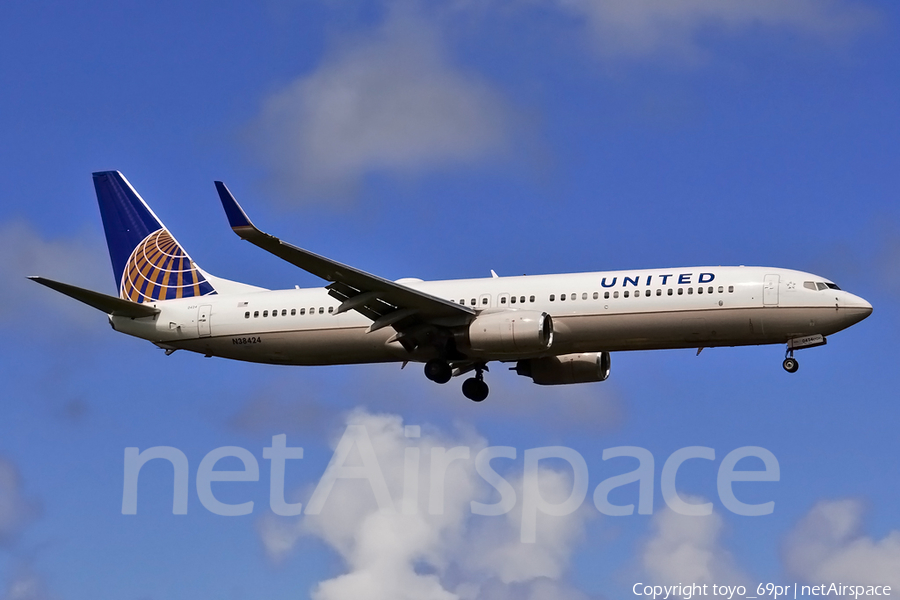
<point x="790" y="364"/>
<point x="438" y="371"/>
<point x="475" y="389"/>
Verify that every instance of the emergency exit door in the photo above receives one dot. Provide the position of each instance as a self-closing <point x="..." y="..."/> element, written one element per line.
<point x="203" y="312"/>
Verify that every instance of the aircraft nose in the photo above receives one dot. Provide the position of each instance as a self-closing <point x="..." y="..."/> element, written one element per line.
<point x="858" y="307"/>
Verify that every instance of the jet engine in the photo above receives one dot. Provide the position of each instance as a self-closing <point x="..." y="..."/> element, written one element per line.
<point x="568" y="368"/>
<point x="510" y="332"/>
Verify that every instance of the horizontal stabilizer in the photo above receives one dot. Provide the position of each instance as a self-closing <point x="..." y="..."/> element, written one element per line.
<point x="108" y="304"/>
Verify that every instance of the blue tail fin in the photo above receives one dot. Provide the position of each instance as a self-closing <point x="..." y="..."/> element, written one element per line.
<point x="148" y="263"/>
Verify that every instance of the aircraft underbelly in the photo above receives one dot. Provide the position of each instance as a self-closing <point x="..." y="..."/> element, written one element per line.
<point x="709" y="328"/>
<point x="301" y="347"/>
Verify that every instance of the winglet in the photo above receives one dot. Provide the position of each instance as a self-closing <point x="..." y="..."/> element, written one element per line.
<point x="237" y="218"/>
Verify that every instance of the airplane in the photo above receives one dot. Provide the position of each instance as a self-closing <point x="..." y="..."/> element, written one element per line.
<point x="556" y="329"/>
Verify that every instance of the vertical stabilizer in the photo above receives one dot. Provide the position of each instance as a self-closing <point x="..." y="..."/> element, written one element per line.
<point x="148" y="263"/>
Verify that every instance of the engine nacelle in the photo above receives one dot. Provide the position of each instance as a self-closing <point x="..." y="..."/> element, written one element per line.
<point x="511" y="332"/>
<point x="584" y="367"/>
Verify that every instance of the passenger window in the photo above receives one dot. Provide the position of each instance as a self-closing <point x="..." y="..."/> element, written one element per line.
<point x="552" y="297"/>
<point x="484" y="300"/>
<point x="562" y="297"/>
<point x="606" y="295"/>
<point x="690" y="291"/>
<point x="573" y="296"/>
<point x="283" y="312"/>
<point x="721" y="289"/>
<point x="647" y="293"/>
<point x="265" y="313"/>
<point x="503" y="300"/>
<point x="302" y="312"/>
<point x="709" y="290"/>
<point x="247" y="315"/>
<point x="730" y="289"/>
<point x="625" y="293"/>
<point x="699" y="290"/>
<point x="512" y="300"/>
<point x="321" y="310"/>
<point x="531" y="298"/>
<point x="275" y="313"/>
<point x="521" y="299"/>
<point x="584" y="296"/>
<point x="472" y="302"/>
<point x="616" y="294"/>
<point x="330" y="309"/>
<point x="659" y="292"/>
<point x="681" y="291"/>
<point x="255" y="313"/>
<point x="670" y="291"/>
<point x="293" y="312"/>
<point x="596" y="295"/>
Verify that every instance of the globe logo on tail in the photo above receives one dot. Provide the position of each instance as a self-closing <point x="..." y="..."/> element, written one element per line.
<point x="158" y="269"/>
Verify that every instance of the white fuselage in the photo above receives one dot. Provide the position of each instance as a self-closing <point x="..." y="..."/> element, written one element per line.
<point x="603" y="311"/>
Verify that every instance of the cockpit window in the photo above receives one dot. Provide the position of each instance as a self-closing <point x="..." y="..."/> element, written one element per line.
<point x="832" y="286"/>
<point x="821" y="286"/>
<point x="810" y="285"/>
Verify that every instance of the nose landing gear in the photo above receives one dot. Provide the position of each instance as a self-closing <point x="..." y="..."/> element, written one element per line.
<point x="790" y="363"/>
<point x="475" y="388"/>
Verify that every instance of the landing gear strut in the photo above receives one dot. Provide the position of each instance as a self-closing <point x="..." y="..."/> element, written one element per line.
<point x="475" y="388"/>
<point x="790" y="363"/>
<point x="438" y="370"/>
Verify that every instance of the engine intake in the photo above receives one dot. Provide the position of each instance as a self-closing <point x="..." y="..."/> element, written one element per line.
<point x="511" y="332"/>
<point x="584" y="367"/>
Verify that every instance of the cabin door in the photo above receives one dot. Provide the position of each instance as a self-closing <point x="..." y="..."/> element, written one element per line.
<point x="770" y="290"/>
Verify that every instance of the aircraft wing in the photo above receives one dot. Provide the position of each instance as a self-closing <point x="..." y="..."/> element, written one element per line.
<point x="108" y="304"/>
<point x="383" y="301"/>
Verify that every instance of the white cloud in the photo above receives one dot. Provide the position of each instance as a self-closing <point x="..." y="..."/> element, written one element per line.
<point x="26" y="585"/>
<point x="15" y="511"/>
<point x="638" y="28"/>
<point x="79" y="260"/>
<point x="686" y="549"/>
<point x="391" y="101"/>
<point x="394" y="552"/>
<point x="585" y="409"/>
<point x="828" y="545"/>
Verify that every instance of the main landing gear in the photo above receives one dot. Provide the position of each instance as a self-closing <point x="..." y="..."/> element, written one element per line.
<point x="438" y="371"/>
<point x="473" y="388"/>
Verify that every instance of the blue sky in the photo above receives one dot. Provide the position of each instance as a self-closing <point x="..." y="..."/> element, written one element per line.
<point x="440" y="141"/>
